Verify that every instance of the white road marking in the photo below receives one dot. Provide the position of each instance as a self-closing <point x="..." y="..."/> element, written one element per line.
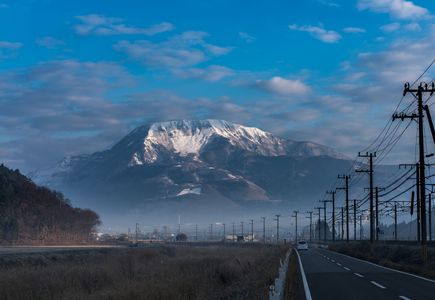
<point x="359" y="275"/>
<point x="382" y="267"/>
<point x="347" y="269"/>
<point x="332" y="260"/>
<point x="338" y="264"/>
<point x="404" y="298"/>
<point x="304" y="279"/>
<point x="378" y="285"/>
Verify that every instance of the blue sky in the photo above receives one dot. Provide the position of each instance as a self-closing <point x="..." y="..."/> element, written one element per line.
<point x="75" y="76"/>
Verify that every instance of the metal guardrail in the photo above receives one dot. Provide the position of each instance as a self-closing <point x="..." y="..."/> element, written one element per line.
<point x="277" y="290"/>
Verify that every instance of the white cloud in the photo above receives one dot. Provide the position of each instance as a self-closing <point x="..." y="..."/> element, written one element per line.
<point x="326" y="36"/>
<point x="329" y="3"/>
<point x="161" y="55"/>
<point x="10" y="45"/>
<point x="390" y="27"/>
<point x="282" y="86"/>
<point x="8" y="49"/>
<point x="49" y="42"/>
<point x="210" y="73"/>
<point x="354" y="30"/>
<point x="101" y="25"/>
<point x="400" y="9"/>
<point x="413" y="27"/>
<point x="246" y="37"/>
<point x="217" y="50"/>
<point x="178" y="54"/>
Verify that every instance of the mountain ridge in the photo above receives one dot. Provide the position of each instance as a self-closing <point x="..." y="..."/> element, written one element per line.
<point x="186" y="164"/>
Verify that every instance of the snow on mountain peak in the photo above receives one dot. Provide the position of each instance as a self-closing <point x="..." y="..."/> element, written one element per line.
<point x="187" y="137"/>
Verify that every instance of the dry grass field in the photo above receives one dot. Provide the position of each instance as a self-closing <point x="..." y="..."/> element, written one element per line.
<point x="161" y="272"/>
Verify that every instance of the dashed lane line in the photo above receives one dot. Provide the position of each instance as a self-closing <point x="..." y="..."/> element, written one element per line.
<point x="359" y="275"/>
<point x="404" y="298"/>
<point x="378" y="285"/>
<point x="347" y="269"/>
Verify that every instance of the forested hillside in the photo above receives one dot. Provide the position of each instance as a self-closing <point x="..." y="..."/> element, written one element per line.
<point x="30" y="214"/>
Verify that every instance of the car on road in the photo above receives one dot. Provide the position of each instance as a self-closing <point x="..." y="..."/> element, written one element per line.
<point x="302" y="245"/>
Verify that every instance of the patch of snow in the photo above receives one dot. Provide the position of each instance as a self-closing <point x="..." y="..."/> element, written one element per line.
<point x="195" y="190"/>
<point x="135" y="161"/>
<point x="232" y="176"/>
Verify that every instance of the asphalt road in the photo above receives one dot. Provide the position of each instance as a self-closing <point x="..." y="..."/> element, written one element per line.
<point x="335" y="276"/>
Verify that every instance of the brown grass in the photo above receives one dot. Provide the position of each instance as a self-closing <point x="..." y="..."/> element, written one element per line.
<point x="293" y="286"/>
<point x="164" y="272"/>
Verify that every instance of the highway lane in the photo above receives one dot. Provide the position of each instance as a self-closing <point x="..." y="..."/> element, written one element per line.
<point x="335" y="276"/>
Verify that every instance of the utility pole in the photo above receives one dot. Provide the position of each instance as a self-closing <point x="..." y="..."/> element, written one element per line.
<point x="225" y="238"/>
<point x="332" y="193"/>
<point x="277" y="228"/>
<point x="252" y="230"/>
<point x="137" y="232"/>
<point x="417" y="184"/>
<point x="419" y="199"/>
<point x="430" y="215"/>
<point x="360" y="227"/>
<point x="264" y="229"/>
<point x="377" y="213"/>
<point x="377" y="190"/>
<point x="342" y="222"/>
<point x="241" y="224"/>
<point x="354" y="219"/>
<point x="196" y="232"/>
<point x="395" y="221"/>
<point x="346" y="188"/>
<point x="319" y="208"/>
<point x="311" y="222"/>
<point x="234" y="232"/>
<point x="296" y="221"/>
<point x="324" y="217"/>
<point x="418" y="93"/>
<point x="370" y="156"/>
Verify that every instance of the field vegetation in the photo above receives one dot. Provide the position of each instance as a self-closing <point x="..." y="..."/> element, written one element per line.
<point x="159" y="272"/>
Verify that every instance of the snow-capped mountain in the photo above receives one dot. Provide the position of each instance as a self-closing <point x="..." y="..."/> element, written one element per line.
<point x="203" y="162"/>
<point x="184" y="138"/>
